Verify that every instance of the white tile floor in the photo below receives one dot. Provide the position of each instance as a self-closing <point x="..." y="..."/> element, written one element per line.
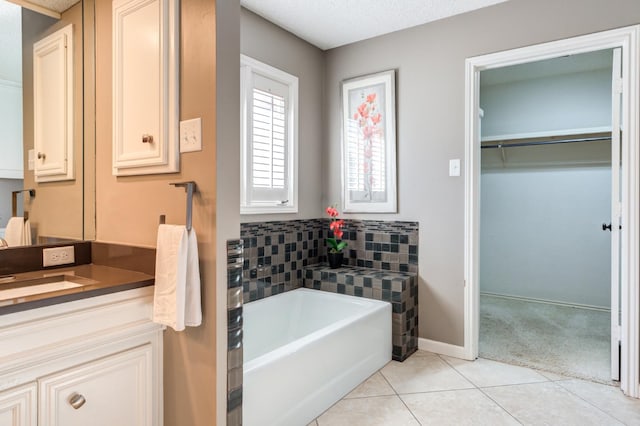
<point x="430" y="389"/>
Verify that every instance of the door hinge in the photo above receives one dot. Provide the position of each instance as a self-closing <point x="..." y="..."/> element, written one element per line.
<point x="617" y="333"/>
<point x="617" y="85"/>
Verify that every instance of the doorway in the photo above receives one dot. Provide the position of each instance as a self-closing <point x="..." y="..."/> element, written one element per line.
<point x="545" y="185"/>
<point x="627" y="40"/>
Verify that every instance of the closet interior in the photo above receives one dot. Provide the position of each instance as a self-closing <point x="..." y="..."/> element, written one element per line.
<point x="546" y="191"/>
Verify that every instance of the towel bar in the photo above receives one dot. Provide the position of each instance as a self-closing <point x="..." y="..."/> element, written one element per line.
<point x="14" y="201"/>
<point x="189" y="187"/>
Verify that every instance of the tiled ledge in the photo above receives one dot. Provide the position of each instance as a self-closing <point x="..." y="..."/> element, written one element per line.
<point x="398" y="288"/>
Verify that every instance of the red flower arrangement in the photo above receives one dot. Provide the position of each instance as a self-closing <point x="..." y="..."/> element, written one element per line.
<point x="336" y="227"/>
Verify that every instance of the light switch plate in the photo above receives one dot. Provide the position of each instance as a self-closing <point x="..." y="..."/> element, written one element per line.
<point x="31" y="159"/>
<point x="454" y="167"/>
<point x="191" y="135"/>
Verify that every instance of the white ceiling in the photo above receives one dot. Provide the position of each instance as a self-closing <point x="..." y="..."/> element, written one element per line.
<point x="332" y="23"/>
<point x="58" y="6"/>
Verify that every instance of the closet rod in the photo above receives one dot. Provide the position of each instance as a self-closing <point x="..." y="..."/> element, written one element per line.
<point x="547" y="142"/>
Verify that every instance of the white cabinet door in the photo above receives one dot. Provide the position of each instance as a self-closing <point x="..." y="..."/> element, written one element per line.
<point x="53" y="106"/>
<point x="11" y="130"/>
<point x="18" y="406"/>
<point x="145" y="86"/>
<point x="115" y="390"/>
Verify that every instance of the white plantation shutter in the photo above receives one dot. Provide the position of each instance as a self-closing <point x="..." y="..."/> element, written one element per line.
<point x="268" y="145"/>
<point x="355" y="180"/>
<point x="355" y="154"/>
<point x="379" y="162"/>
<point x="269" y="139"/>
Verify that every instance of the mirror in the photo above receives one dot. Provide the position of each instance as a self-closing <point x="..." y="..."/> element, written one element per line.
<point x="57" y="210"/>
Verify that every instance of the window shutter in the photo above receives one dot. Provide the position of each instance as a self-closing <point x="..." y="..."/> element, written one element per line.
<point x="269" y="125"/>
<point x="269" y="140"/>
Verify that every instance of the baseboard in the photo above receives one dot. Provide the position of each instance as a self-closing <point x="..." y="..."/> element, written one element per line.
<point x="549" y="302"/>
<point x="441" y="348"/>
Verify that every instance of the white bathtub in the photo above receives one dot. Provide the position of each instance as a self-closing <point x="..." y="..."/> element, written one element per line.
<point x="305" y="349"/>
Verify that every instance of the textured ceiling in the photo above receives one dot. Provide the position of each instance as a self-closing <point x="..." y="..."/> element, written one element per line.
<point x="332" y="23"/>
<point x="53" y="5"/>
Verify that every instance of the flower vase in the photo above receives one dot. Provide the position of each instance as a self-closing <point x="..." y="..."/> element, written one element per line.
<point x="335" y="259"/>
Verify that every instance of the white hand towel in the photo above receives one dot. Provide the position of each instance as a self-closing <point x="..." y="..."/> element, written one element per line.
<point x="193" y="306"/>
<point x="176" y="300"/>
<point x="27" y="233"/>
<point x="14" y="233"/>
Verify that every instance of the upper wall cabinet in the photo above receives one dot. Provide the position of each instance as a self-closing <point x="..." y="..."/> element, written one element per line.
<point x="53" y="106"/>
<point x="11" y="129"/>
<point x="145" y="87"/>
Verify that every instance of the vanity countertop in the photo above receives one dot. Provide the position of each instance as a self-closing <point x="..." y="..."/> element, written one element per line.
<point x="95" y="280"/>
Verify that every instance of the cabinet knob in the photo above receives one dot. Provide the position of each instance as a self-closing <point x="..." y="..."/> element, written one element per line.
<point x="41" y="155"/>
<point x="147" y="138"/>
<point x="76" y="400"/>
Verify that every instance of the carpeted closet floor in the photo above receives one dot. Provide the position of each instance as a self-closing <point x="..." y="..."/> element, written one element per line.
<point x="569" y="341"/>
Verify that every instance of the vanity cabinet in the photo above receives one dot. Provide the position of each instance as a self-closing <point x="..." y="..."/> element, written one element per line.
<point x="115" y="390"/>
<point x="18" y="406"/>
<point x="96" y="361"/>
<point x="145" y="87"/>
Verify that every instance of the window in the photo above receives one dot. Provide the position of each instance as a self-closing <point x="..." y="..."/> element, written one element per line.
<point x="269" y="99"/>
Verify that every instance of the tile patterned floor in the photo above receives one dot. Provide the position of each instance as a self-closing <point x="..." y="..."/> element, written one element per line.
<point x="430" y="389"/>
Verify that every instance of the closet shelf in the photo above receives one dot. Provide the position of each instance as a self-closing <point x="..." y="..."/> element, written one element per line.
<point x="547" y="138"/>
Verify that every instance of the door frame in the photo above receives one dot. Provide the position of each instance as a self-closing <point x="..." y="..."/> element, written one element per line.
<point x="628" y="38"/>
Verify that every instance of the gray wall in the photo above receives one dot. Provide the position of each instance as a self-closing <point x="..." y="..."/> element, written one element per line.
<point x="430" y="98"/>
<point x="541" y="234"/>
<point x="268" y="43"/>
<point x="227" y="217"/>
<point x="6" y="187"/>
<point x="555" y="103"/>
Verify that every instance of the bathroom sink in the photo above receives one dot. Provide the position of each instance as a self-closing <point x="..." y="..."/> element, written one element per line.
<point x="12" y="289"/>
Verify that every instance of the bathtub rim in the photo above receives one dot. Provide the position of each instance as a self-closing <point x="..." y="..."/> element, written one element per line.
<point x="294" y="346"/>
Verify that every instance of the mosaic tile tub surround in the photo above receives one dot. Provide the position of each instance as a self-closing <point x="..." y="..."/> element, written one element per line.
<point x="386" y="245"/>
<point x="234" y="332"/>
<point x="398" y="288"/>
<point x="276" y="253"/>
